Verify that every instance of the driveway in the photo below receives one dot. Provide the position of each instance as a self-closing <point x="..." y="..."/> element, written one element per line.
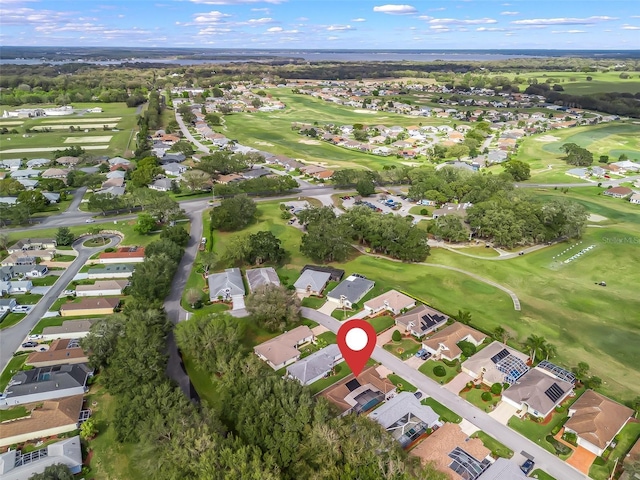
<point x="503" y="412"/>
<point x="458" y="383"/>
<point x="40" y="290"/>
<point x="238" y="302"/>
<point x="581" y="458"/>
<point x="328" y="308"/>
<point x="385" y="337"/>
<point x="414" y="362"/>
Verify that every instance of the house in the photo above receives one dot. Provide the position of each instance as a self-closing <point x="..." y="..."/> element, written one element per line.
<point x="360" y="394"/>
<point x="38" y="162"/>
<point x="635" y="199"/>
<point x="102" y="288"/>
<point x="90" y="306"/>
<point x="116" y="174"/>
<point x="11" y="163"/>
<point x="162" y="185"/>
<point x="113" y="182"/>
<point x="46" y="383"/>
<point x="421" y="320"/>
<point x="114" y="270"/>
<point x="283" y="349"/>
<point x="596" y="420"/>
<point x="19" y="287"/>
<point x="618" y="192"/>
<point x="29" y="271"/>
<point x="503" y="469"/>
<point x="537" y="392"/>
<point x="336" y="273"/>
<point x="174" y="169"/>
<point x="118" y="161"/>
<point x="255" y="173"/>
<point x="627" y="166"/>
<point x="9" y="200"/>
<point x="55" y="173"/>
<point x="123" y="254"/>
<point x="351" y="290"/>
<point x="6" y="305"/>
<point x="48" y="419"/>
<point x="33" y="244"/>
<point x="257" y="277"/>
<point x="316" y="366"/>
<point x="14" y="465"/>
<point x="459" y="209"/>
<point x="26" y="173"/>
<point x="226" y="285"/>
<point x="312" y="282"/>
<point x="391" y="301"/>
<point x="577" y="172"/>
<point x="405" y="418"/>
<point x="325" y="175"/>
<point x="28" y="184"/>
<point x="443" y="344"/>
<point x="68" y="329"/>
<point x="52" y="197"/>
<point x="115" y="191"/>
<point x="450" y="450"/>
<point x="496" y="363"/>
<point x="227" y="179"/>
<point x="61" y="352"/>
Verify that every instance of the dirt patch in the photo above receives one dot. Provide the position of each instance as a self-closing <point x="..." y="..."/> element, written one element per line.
<point x="368" y="112"/>
<point x="594" y="217"/>
<point x="265" y="144"/>
<point x="547" y="139"/>
<point x="96" y="139"/>
<point x="309" y="142"/>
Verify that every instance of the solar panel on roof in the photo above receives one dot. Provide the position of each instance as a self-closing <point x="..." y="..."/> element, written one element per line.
<point x="353" y="384"/>
<point x="554" y="392"/>
<point x="500" y="355"/>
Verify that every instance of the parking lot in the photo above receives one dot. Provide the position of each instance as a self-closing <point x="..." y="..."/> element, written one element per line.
<point x="380" y="203"/>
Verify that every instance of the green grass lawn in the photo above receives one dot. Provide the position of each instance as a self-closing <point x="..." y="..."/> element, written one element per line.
<point x="626" y="439"/>
<point x="27" y="298"/>
<point x="445" y="414"/>
<point x="10" y="319"/>
<point x="403" y="349"/>
<point x="46" y="281"/>
<point x="13" y="367"/>
<point x="428" y="366"/>
<point x="473" y="396"/>
<point x="541" y="475"/>
<point x="576" y="83"/>
<point x="313" y="302"/>
<point x="401" y="383"/>
<point x="497" y="448"/>
<point x="48" y="322"/>
<point x="341" y="371"/>
<point x="382" y="323"/>
<point x="13" y="413"/>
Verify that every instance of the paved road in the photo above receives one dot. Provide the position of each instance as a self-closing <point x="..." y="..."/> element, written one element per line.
<point x="187" y="134"/>
<point x="175" y="312"/>
<point x="77" y="198"/>
<point x="11" y="338"/>
<point x="516" y="442"/>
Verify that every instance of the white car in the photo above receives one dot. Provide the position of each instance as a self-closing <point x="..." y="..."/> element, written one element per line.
<point x="89" y="220"/>
<point x="21" y="309"/>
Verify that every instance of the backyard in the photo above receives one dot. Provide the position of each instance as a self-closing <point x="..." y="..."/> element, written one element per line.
<point x="601" y="469"/>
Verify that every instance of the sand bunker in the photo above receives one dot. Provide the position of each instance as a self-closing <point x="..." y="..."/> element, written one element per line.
<point x="547" y="139"/>
<point x="51" y="149"/>
<point x="265" y="144"/>
<point x="309" y="142"/>
<point x="594" y="217"/>
<point x="84" y="120"/>
<point x="369" y="112"/>
<point x="97" y="139"/>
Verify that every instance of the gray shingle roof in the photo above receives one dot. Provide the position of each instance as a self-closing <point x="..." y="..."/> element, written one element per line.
<point x="313" y="279"/>
<point x="352" y="288"/>
<point x="226" y="284"/>
<point x="316" y="364"/>
<point x="47" y="379"/>
<point x="401" y="405"/>
<point x="257" y="277"/>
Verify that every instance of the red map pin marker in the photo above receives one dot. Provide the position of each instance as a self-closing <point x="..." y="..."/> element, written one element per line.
<point x="356" y="339"/>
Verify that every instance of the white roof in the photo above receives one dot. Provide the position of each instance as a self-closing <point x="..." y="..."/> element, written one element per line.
<point x="401" y="405"/>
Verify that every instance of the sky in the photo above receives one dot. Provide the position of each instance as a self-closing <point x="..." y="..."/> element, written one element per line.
<point x="319" y="24"/>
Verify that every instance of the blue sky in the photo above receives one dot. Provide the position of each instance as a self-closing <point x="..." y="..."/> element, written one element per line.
<point x="350" y="24"/>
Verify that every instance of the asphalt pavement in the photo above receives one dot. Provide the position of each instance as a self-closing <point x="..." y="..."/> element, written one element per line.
<point x="516" y="442"/>
<point x="12" y="337"/>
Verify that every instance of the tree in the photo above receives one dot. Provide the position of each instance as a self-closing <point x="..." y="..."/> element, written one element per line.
<point x="104" y="202"/>
<point x="176" y="234"/>
<point x="582" y="370"/>
<point x="450" y="228"/>
<point x="603" y="159"/>
<point x="463" y="316"/>
<point x="196" y="179"/>
<point x="496" y="388"/>
<point x="576" y="155"/>
<point x="365" y="187"/>
<point x="265" y="247"/>
<point x="233" y="214"/>
<point x="213" y="119"/>
<point x="145" y="224"/>
<point x="64" y="236"/>
<point x="274" y="307"/>
<point x="10" y="187"/>
<point x="194" y="297"/>
<point x="88" y="429"/>
<point x="593" y="382"/>
<point x="396" y="336"/>
<point x="519" y="170"/>
<point x="34" y="201"/>
<point x="184" y="147"/>
<point x="206" y="260"/>
<point x="187" y="115"/>
<point x="58" y="471"/>
<point x="501" y="334"/>
<point x="102" y="340"/>
<point x="549" y="351"/>
<point x="4" y="240"/>
<point x="536" y="346"/>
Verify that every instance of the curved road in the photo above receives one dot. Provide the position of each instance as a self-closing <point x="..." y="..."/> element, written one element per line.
<point x="12" y="337"/>
<point x="516" y="442"/>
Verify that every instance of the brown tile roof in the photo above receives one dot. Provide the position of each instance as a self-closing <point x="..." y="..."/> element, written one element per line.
<point x="597" y="419"/>
<point x="437" y="446"/>
<point x="283" y="347"/>
<point x="339" y="391"/>
<point x="124" y="253"/>
<point x="618" y="191"/>
<point x="92" y="303"/>
<point x="58" y="352"/>
<point x="52" y="414"/>
<point x="393" y="299"/>
<point x="69" y="326"/>
<point x="450" y="336"/>
<point x="103" y="285"/>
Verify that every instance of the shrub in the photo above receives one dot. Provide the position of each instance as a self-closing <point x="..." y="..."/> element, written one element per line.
<point x="561" y="448"/>
<point x="396" y="336"/>
<point x="468" y="348"/>
<point x="450" y="363"/>
<point x="424" y="211"/>
<point x="496" y="388"/>
<point x="439" y="371"/>
<point x="486" y="396"/>
<point x="469" y="384"/>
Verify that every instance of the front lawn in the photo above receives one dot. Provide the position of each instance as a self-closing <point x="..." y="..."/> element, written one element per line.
<point x="403" y="349"/>
<point x="13" y="367"/>
<point x="541" y="475"/>
<point x="27" y="298"/>
<point x="44" y="281"/>
<point x="10" y="319"/>
<point x="401" y="383"/>
<point x="47" y="322"/>
<point x="446" y="415"/>
<point x="313" y="302"/>
<point x="601" y="469"/>
<point x="380" y="324"/>
<point x="13" y="413"/>
<point x="65" y="258"/>
<point x="474" y="396"/>
<point x="497" y="448"/>
<point x="428" y="366"/>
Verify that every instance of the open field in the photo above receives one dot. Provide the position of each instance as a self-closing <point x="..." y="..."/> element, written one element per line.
<point x="576" y="83"/>
<point x="544" y="150"/>
<point x="274" y="129"/>
<point x="115" y="115"/>
<point x="96" y="139"/>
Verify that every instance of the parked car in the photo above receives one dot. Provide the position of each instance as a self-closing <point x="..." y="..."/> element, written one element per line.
<point x="69" y="293"/>
<point x="527" y="467"/>
<point x="35" y="337"/>
<point x="425" y="355"/>
<point x="29" y="344"/>
<point x="21" y="309"/>
<point x="420" y="352"/>
<point x="89" y="220"/>
<point x="418" y="395"/>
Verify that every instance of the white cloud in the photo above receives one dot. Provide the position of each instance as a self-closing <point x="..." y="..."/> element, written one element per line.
<point x="260" y="21"/>
<point x="275" y="29"/>
<point x="564" y="21"/>
<point x="630" y="27"/>
<point x="339" y="28"/>
<point x="440" y="28"/>
<point x="441" y="9"/>
<point x="489" y="29"/>
<point x="509" y="13"/>
<point x="358" y="19"/>
<point x="392" y="9"/>
<point x="333" y="38"/>
<point x="568" y="31"/>
<point x="233" y="2"/>
<point x="211" y="17"/>
<point x="455" y="21"/>
<point x="263" y="10"/>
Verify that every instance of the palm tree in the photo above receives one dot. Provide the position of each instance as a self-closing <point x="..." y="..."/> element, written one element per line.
<point x="536" y="345"/>
<point x="463" y="316"/>
<point x="501" y="334"/>
<point x="549" y="351"/>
